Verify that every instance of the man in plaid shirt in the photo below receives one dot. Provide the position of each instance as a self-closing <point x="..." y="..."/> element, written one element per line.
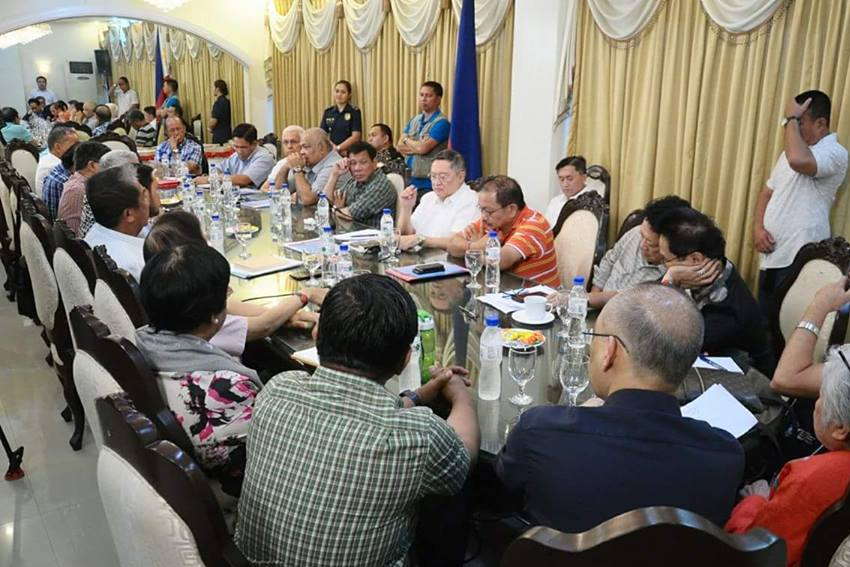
<point x="365" y="195"/>
<point x="178" y="146"/>
<point x="54" y="183"/>
<point x="337" y="463"/>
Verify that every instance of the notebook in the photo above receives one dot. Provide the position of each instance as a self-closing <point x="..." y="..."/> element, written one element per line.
<point x="256" y="266"/>
<point x="406" y="273"/>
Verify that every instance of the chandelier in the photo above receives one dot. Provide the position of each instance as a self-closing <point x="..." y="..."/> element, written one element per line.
<point x="24" y="35"/>
<point x="166" y="5"/>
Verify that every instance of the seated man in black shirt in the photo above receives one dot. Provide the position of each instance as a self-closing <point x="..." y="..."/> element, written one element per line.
<point x="693" y="249"/>
<point x="580" y="466"/>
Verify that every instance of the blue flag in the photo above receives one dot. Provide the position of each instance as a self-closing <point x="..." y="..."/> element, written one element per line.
<point x="159" y="74"/>
<point x="466" y="132"/>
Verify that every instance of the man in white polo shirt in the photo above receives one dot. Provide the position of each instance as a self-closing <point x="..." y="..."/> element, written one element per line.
<point x="126" y="98"/>
<point x="448" y="209"/>
<point x="793" y="208"/>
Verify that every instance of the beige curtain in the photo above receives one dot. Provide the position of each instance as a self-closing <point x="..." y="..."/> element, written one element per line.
<point x="140" y="73"/>
<point x="387" y="76"/>
<point x="685" y="108"/>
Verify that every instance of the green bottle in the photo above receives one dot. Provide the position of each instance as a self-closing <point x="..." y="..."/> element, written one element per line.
<point x="428" y="343"/>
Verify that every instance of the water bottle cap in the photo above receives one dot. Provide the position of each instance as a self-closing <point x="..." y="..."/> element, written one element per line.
<point x="215" y="217"/>
<point x="327" y="229"/>
<point x="492" y="234"/>
<point x="322" y="196"/>
<point x="285" y="186"/>
<point x="343" y="247"/>
<point x="578" y="280"/>
<point x="199" y="192"/>
<point x="386" y="211"/>
<point x="426" y="321"/>
<point x="492" y="320"/>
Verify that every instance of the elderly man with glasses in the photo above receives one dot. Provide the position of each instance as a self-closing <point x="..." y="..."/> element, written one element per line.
<point x="528" y="246"/>
<point x="577" y="467"/>
<point x="448" y="209"/>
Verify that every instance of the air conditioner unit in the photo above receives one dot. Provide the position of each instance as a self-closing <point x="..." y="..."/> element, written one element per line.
<point x="81" y="80"/>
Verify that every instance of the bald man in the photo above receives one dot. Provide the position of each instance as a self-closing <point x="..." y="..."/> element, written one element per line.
<point x="312" y="165"/>
<point x="580" y="466"/>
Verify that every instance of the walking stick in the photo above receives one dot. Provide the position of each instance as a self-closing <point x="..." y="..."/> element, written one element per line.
<point x="15" y="457"/>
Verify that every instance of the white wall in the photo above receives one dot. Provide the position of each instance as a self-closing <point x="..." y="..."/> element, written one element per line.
<point x="535" y="146"/>
<point x="235" y="26"/>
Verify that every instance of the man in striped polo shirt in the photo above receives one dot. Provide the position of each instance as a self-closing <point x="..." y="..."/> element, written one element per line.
<point x="528" y="246"/>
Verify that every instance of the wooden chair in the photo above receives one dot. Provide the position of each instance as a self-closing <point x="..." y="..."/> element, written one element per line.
<point x="600" y="180"/>
<point x="73" y="267"/>
<point x="8" y="253"/>
<point x="23" y="156"/>
<point x="117" y="300"/>
<point x="198" y="129"/>
<point x="160" y="506"/>
<point x="828" y="543"/>
<point x="580" y="236"/>
<point x="633" y="219"/>
<point x="116" y="141"/>
<point x="658" y="536"/>
<point x="815" y="265"/>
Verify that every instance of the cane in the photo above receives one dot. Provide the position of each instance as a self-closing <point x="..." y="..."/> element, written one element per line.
<point x="15" y="457"/>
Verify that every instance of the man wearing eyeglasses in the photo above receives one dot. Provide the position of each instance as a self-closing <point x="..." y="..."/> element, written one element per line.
<point x="448" y="209"/>
<point x="528" y="246"/>
<point x="577" y="467"/>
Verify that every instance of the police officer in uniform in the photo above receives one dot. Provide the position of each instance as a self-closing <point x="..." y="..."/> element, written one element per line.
<point x="342" y="121"/>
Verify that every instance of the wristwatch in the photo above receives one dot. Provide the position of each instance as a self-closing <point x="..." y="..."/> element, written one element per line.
<point x="420" y="240"/>
<point x="789" y="119"/>
<point x="413" y="396"/>
<point x="297" y="170"/>
<point x="810" y="327"/>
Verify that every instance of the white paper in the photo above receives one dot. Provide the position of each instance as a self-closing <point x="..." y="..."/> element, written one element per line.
<point x="364" y="234"/>
<point x="505" y="304"/>
<point x="308" y="356"/>
<point x="259" y="204"/>
<point x="720" y="409"/>
<point x="727" y="363"/>
<point x="280" y="265"/>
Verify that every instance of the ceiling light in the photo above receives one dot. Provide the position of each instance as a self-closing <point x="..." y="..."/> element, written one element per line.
<point x="166" y="5"/>
<point x="24" y="35"/>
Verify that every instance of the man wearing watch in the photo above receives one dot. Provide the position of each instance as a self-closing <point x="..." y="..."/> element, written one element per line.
<point x="311" y="166"/>
<point x="448" y="209"/>
<point x="793" y="208"/>
<point x="337" y="455"/>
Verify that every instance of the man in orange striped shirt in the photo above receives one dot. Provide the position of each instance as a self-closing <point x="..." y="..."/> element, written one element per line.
<point x="528" y="246"/>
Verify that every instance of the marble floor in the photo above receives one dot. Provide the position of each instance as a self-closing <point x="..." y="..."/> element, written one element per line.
<point x="53" y="516"/>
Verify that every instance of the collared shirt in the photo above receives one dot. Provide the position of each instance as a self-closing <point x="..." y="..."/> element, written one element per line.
<point x="98" y="130"/>
<point x="531" y="236"/>
<point x="317" y="175"/>
<point x="339" y="124"/>
<point x="173" y="100"/>
<point x="580" y="466"/>
<point x="366" y="201"/>
<point x="798" y="210"/>
<point x="392" y="161"/>
<point x="624" y="266"/>
<point x="232" y="335"/>
<point x="12" y="131"/>
<point x="335" y="469"/>
<point x="46" y="162"/>
<point x="126" y="250"/>
<point x="54" y="185"/>
<point x="49" y="96"/>
<point x="441" y="218"/>
<point x="126" y="100"/>
<point x="553" y="210"/>
<point x="146" y="136"/>
<point x="440" y="132"/>
<point x="290" y="178"/>
<point x="87" y="218"/>
<point x="257" y="166"/>
<point x="91" y="122"/>
<point x="71" y="202"/>
<point x="188" y="150"/>
<point x="222" y="132"/>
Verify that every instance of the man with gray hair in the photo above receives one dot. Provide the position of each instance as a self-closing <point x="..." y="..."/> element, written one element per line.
<point x="580" y="466"/>
<point x="290" y="143"/>
<point x="113" y="158"/>
<point x="447" y="209"/>
<point x="312" y="166"/>
<point x="59" y="140"/>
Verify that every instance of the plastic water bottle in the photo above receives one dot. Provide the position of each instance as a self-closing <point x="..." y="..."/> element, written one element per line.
<point x="410" y="377"/>
<point x="492" y="259"/>
<point x="285" y="208"/>
<point x="428" y="340"/>
<point x="387" y="227"/>
<point x="274" y="213"/>
<point x="200" y="207"/>
<point x="490" y="370"/>
<point x="578" y="313"/>
<point x="328" y="256"/>
<point x="323" y="211"/>
<point x="187" y="193"/>
<point x="215" y="178"/>
<point x="344" y="267"/>
<point x="216" y="233"/>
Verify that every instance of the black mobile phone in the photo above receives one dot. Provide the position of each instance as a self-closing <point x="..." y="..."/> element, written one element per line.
<point x="429" y="268"/>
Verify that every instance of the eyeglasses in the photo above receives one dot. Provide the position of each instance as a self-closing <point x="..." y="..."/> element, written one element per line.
<point x="441" y="177"/>
<point x="486" y="213"/>
<point x="619" y="340"/>
<point x="843" y="359"/>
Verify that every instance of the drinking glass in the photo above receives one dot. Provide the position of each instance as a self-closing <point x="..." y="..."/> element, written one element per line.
<point x="393" y="243"/>
<point x="243" y="232"/>
<point x="473" y="260"/>
<point x="312" y="262"/>
<point x="574" y="377"/>
<point x="562" y="309"/>
<point x="521" y="362"/>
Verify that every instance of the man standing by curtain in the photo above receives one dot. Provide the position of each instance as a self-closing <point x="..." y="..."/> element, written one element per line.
<point x="425" y="135"/>
<point x="793" y="208"/>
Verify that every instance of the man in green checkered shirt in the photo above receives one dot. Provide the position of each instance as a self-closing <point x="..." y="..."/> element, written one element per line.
<point x="336" y="463"/>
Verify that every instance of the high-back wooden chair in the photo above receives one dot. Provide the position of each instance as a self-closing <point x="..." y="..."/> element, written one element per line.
<point x="24" y="158"/>
<point x="828" y="544"/>
<point x="633" y="219"/>
<point x="599" y="180"/>
<point x="117" y="298"/>
<point x="580" y="236"/>
<point x="159" y="504"/>
<point x="658" y="536"/>
<point x="116" y="141"/>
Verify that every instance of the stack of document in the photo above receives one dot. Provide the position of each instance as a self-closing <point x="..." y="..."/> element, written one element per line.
<point x="308" y="356"/>
<point x="254" y="266"/>
<point x="720" y="409"/>
<point x="504" y="302"/>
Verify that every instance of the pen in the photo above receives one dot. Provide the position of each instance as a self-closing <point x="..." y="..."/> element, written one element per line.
<point x="710" y="362"/>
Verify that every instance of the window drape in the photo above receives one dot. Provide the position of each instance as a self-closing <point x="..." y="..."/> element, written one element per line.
<point x="695" y="111"/>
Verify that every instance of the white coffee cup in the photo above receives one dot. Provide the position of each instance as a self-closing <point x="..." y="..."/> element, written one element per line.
<point x="535" y="307"/>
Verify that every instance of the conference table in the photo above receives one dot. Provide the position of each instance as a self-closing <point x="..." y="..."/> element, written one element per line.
<point x="458" y="318"/>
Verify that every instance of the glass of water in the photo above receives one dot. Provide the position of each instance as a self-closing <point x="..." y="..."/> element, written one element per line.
<point x="393" y="243"/>
<point x="312" y="262"/>
<point x="574" y="377"/>
<point x="473" y="260"/>
<point x="521" y="363"/>
<point x="243" y="232"/>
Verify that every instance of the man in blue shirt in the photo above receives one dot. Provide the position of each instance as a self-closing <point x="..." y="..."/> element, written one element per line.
<point x="250" y="164"/>
<point x="580" y="466"/>
<point x="425" y="135"/>
<point x="13" y="129"/>
<point x="179" y="147"/>
<point x="54" y="183"/>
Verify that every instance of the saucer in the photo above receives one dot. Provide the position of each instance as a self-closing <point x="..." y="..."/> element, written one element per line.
<point x="521" y="316"/>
